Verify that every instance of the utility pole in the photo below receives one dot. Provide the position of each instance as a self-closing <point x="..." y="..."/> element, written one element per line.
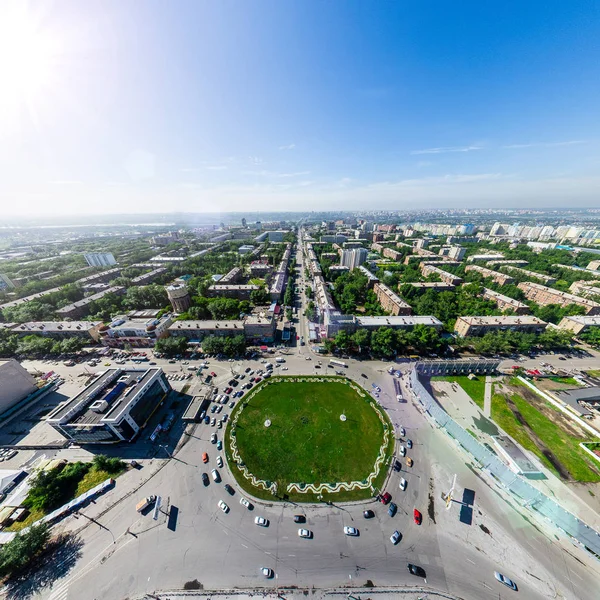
<point x="448" y="497"/>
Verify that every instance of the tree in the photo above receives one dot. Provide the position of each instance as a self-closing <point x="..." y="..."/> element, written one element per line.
<point x="171" y="346"/>
<point x="361" y="339"/>
<point x="23" y="549"/>
<point x="259" y="297"/>
<point x="112" y="465"/>
<point x="383" y="342"/>
<point x="342" y="340"/>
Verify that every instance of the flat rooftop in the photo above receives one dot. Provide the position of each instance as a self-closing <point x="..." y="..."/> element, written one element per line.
<point x="398" y="321"/>
<point x="116" y="386"/>
<point x="504" y="320"/>
<point x="208" y="324"/>
<point x="55" y="326"/>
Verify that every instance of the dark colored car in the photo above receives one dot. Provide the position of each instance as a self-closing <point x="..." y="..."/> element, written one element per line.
<point x="392" y="510"/>
<point x="385" y="499"/>
<point x="299" y="519"/>
<point x="417" y="516"/>
<point x="229" y="489"/>
<point x="207" y="420"/>
<point x="247" y="370"/>
<point x="416" y="570"/>
<point x="205" y="479"/>
<point x="368" y="514"/>
<point x="397" y="465"/>
<point x="365" y="376"/>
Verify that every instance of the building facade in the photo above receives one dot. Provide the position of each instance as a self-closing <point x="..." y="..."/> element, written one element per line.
<point x="390" y="301"/>
<point x="543" y="295"/>
<point x="496" y="276"/>
<point x="506" y="302"/>
<point x="477" y="326"/>
<point x="100" y="259"/>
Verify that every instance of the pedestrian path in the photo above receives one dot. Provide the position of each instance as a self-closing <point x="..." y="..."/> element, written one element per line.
<point x="487" y="397"/>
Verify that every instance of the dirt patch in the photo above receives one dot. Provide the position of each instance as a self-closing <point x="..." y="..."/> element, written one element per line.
<point x="430" y="507"/>
<point x="562" y="471"/>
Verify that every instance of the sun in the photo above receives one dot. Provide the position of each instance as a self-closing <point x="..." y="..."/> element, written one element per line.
<point x="28" y="54"/>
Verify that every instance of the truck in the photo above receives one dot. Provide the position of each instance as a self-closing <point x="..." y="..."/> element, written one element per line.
<point x="145" y="503"/>
<point x="280" y="359"/>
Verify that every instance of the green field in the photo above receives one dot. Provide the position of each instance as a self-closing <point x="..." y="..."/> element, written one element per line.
<point x="307" y="442"/>
<point x="563" y="445"/>
<point x="474" y="388"/>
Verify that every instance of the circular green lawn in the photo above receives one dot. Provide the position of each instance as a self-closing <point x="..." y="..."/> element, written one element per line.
<point x="307" y="442"/>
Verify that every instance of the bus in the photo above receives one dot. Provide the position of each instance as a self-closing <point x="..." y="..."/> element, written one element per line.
<point x="337" y="363"/>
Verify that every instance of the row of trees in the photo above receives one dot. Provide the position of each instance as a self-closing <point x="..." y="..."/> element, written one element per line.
<point x="350" y="292"/>
<point x="33" y="346"/>
<point x="387" y="342"/>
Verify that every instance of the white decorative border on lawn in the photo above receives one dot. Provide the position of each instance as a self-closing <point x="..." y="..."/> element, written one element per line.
<point x="310" y="488"/>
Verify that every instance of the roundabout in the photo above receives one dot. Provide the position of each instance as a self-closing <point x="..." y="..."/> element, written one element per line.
<point x="309" y="439"/>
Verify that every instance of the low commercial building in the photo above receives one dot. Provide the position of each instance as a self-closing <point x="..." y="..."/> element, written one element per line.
<point x="429" y="269"/>
<point x="532" y="274"/>
<point x="496" y="276"/>
<point x="440" y="286"/>
<point x="579" y="323"/>
<point x="241" y="291"/>
<point x="15" y="384"/>
<point x="113" y="408"/>
<point x="477" y="326"/>
<point x="59" y="330"/>
<point x="544" y="295"/>
<point x="390" y="301"/>
<point x="399" y="322"/>
<point x="260" y="328"/>
<point x="81" y="308"/>
<point x="506" y="302"/>
<point x="138" y="333"/>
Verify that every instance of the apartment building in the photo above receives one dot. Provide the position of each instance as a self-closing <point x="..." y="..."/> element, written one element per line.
<point x="80" y="309"/>
<point x="585" y="288"/>
<point x="544" y="295"/>
<point x="390" y="301"/>
<point x="485" y="257"/>
<point x="392" y="254"/>
<point x="377" y="248"/>
<point x="456" y="253"/>
<point x="496" y="263"/>
<point x="353" y="258"/>
<point x="232" y="277"/>
<point x="371" y="279"/>
<point x="477" y="326"/>
<point x="429" y="269"/>
<point x="594" y="265"/>
<point x="595" y="274"/>
<point x="506" y="302"/>
<point x="241" y="291"/>
<point x="440" y="286"/>
<point x="499" y="278"/>
<point x="579" y="323"/>
<point x="539" y="276"/>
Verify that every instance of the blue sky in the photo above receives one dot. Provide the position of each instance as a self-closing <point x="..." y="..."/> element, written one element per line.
<point x="123" y="106"/>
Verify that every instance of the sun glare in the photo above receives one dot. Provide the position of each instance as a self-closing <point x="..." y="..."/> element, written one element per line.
<point x="27" y="57"/>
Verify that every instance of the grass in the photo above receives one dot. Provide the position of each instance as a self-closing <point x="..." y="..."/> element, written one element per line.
<point x="257" y="281"/>
<point x="93" y="478"/>
<point x="565" y="380"/>
<point x="30" y="519"/>
<point x="593" y="372"/>
<point x="563" y="445"/>
<point x="474" y="388"/>
<point x="307" y="442"/>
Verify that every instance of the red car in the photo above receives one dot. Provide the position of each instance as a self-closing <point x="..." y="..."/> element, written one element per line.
<point x="213" y="373"/>
<point x="385" y="499"/>
<point x="417" y="516"/>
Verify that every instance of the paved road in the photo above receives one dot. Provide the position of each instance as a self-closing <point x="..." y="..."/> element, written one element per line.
<point x="227" y="550"/>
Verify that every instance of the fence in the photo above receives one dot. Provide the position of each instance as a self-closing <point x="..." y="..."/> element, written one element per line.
<point x="532" y="498"/>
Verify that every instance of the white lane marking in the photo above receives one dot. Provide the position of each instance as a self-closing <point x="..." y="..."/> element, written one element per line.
<point x="244" y="545"/>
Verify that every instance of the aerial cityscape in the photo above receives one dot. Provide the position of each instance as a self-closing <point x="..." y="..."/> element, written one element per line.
<point x="299" y="300"/>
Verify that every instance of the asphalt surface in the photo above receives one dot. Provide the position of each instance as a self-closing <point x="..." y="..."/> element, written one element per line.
<point x="125" y="554"/>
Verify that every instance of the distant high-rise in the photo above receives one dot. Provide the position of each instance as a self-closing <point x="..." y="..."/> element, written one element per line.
<point x="100" y="259"/>
<point x="353" y="258"/>
<point x="179" y="297"/>
<point x="244" y="222"/>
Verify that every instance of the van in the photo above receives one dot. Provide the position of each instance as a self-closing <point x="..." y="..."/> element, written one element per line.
<point x="215" y="475"/>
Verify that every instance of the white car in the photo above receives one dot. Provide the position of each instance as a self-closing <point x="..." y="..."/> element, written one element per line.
<point x="402" y="484"/>
<point x="350" y="530"/>
<point x="399" y="397"/>
<point x="305" y="533"/>
<point x="395" y="537"/>
<point x="216" y="476"/>
<point x="213" y="438"/>
<point x="284" y="368"/>
<point x="267" y="573"/>
<point x="505" y="580"/>
<point x="261" y="521"/>
<point x="402" y="451"/>
<point x="402" y="431"/>
<point x="245" y="502"/>
<point x="223" y="506"/>
<point x="219" y="461"/>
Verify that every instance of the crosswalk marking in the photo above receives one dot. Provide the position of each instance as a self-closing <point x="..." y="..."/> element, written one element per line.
<point x="60" y="592"/>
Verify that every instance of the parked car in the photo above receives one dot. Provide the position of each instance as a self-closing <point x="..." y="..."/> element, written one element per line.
<point x="219" y="445"/>
<point x="402" y="484"/>
<point x="223" y="506"/>
<point x="385" y="499"/>
<point x="266" y="572"/>
<point x="205" y="479"/>
<point x="409" y="444"/>
<point x="368" y="514"/>
<point x="417" y="516"/>
<point x="402" y="451"/>
<point x="204" y="457"/>
<point x="393" y="509"/>
<point x="397" y="465"/>
<point x="229" y="489"/>
<point x="261" y="521"/>
<point x="305" y="533"/>
<point x="216" y="476"/>
<point x="402" y="431"/>
<point x="213" y="438"/>
<point x="246" y="503"/>
<point x="299" y="519"/>
<point x="395" y="537"/>
<point x="351" y="531"/>
<point x="409" y="462"/>
<point x="219" y="461"/>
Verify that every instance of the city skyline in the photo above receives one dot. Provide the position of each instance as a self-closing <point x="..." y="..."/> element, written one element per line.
<point x="276" y="105"/>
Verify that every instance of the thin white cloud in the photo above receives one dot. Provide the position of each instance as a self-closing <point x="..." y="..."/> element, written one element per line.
<point x="189" y="170"/>
<point x="66" y="182"/>
<point x="255" y="160"/>
<point x="546" y="144"/>
<point x="435" y="181"/>
<point x="444" y="150"/>
<point x="265" y="173"/>
<point x="216" y="168"/>
<point x="288" y="147"/>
